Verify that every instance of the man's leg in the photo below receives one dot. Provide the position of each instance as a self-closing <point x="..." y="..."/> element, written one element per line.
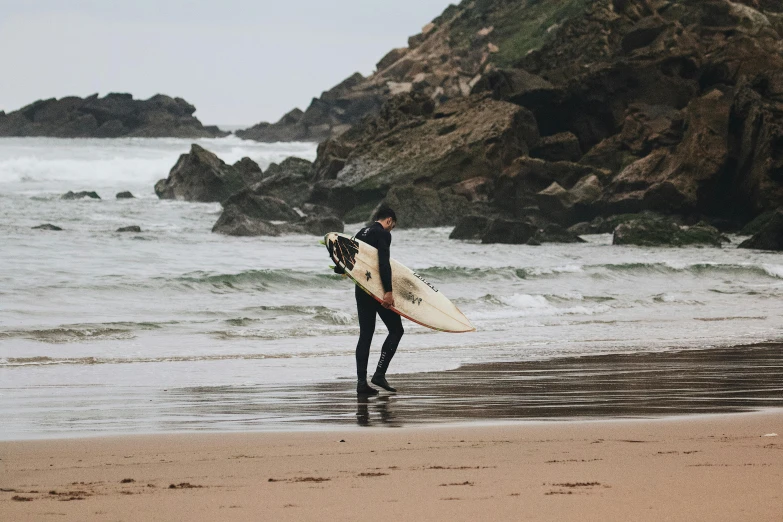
<point x="394" y="323"/>
<point x="366" y="308"/>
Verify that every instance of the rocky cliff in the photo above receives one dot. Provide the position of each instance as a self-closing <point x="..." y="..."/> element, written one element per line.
<point x="113" y="116"/>
<point x="597" y="108"/>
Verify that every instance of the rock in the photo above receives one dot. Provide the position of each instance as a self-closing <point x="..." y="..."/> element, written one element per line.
<point x="475" y="190"/>
<point x="643" y="33"/>
<point x="517" y="86"/>
<point x="328" y="116"/>
<point x="758" y="223"/>
<point x="661" y="232"/>
<point x="559" y="147"/>
<point x="583" y="228"/>
<point x="470" y="227"/>
<point x="553" y="233"/>
<point x="80" y="195"/>
<point x="47" y="226"/>
<point x="233" y="223"/>
<point x="518" y="185"/>
<point x="125" y="195"/>
<point x="288" y="181"/>
<point x="321" y="225"/>
<point x="391" y="57"/>
<point x="132" y="228"/>
<point x="464" y="139"/>
<point x="260" y="207"/>
<point x="509" y="231"/>
<point x="113" y="116"/>
<point x="769" y="236"/>
<point x="424" y="207"/>
<point x="249" y="171"/>
<point x="555" y="202"/>
<point x="200" y="176"/>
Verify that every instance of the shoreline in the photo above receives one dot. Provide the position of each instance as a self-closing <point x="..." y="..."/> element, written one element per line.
<point x="706" y="467"/>
<point x="610" y="386"/>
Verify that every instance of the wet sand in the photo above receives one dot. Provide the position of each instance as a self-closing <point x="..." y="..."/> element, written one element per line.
<point x="648" y="385"/>
<point x="714" y="467"/>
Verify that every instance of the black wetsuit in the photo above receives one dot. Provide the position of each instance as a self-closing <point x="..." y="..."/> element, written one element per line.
<point x="367" y="307"/>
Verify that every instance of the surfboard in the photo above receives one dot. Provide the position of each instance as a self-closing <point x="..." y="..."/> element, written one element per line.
<point x="414" y="298"/>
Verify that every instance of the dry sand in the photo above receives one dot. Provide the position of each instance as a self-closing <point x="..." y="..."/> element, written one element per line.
<point x="725" y="467"/>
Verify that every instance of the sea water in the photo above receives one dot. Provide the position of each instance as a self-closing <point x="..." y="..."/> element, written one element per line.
<point x="100" y="330"/>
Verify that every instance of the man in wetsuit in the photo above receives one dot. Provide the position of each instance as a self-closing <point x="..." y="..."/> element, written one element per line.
<point x="378" y="235"/>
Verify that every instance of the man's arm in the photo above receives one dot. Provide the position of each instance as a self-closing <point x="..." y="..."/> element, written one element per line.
<point x="384" y="267"/>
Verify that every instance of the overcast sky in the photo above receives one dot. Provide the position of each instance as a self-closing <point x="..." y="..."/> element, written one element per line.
<point x="237" y="61"/>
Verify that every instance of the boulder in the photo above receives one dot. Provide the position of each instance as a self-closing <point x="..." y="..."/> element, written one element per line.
<point x="409" y="141"/>
<point x="425" y="207"/>
<point x="769" y="236"/>
<point x="663" y="232"/>
<point x="288" y="181"/>
<point x="80" y="195"/>
<point x="233" y="223"/>
<point x="132" y="228"/>
<point x="47" y="226"/>
<point x="113" y="116"/>
<point x="754" y="226"/>
<point x="125" y="195"/>
<point x="470" y="227"/>
<point x="509" y="231"/>
<point x="200" y="176"/>
<point x="259" y="207"/>
<point x="558" y="147"/>
<point x="249" y="171"/>
<point x="320" y="225"/>
<point x="553" y="233"/>
<point x="517" y="86"/>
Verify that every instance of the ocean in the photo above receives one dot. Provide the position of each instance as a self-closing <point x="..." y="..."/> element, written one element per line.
<point x="179" y="329"/>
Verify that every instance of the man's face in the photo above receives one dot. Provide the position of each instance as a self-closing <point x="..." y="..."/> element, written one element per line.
<point x="388" y="224"/>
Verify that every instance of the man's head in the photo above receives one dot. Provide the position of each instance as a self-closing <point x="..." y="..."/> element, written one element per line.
<point x="387" y="218"/>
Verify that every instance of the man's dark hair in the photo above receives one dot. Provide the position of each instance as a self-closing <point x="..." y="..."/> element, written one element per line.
<point x="385" y="212"/>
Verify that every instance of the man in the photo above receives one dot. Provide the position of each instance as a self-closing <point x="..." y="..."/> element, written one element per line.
<point x="378" y="235"/>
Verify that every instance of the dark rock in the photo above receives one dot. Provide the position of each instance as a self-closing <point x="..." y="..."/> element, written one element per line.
<point x="559" y="147"/>
<point x="517" y="187"/>
<point x="233" y="223"/>
<point x="769" y="236"/>
<point x="758" y="223"/>
<point x="288" y="181"/>
<point x="125" y="195"/>
<point x="662" y="232"/>
<point x="583" y="228"/>
<point x="80" y="195"/>
<point x="643" y="33"/>
<point x="328" y="116"/>
<point x="470" y="227"/>
<point x="406" y="139"/>
<point x="425" y="207"/>
<point x="553" y="233"/>
<point x="260" y="207"/>
<point x="320" y="225"/>
<point x="112" y="116"/>
<point x="517" y="86"/>
<point x="47" y="226"/>
<point x="249" y="171"/>
<point x="132" y="228"/>
<point x="509" y="231"/>
<point x="200" y="176"/>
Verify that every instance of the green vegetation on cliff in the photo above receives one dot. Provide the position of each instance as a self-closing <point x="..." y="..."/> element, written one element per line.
<point x="517" y="26"/>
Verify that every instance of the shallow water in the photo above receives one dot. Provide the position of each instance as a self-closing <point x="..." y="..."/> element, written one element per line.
<point x="95" y="325"/>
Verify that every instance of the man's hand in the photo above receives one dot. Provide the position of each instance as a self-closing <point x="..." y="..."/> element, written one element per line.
<point x="388" y="300"/>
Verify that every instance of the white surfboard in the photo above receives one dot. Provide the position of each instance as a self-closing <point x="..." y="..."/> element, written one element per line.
<point x="414" y="298"/>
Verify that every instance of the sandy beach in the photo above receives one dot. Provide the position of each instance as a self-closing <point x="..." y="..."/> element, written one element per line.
<point x="715" y="467"/>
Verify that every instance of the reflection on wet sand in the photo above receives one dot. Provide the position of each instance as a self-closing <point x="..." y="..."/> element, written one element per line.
<point x="719" y="380"/>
